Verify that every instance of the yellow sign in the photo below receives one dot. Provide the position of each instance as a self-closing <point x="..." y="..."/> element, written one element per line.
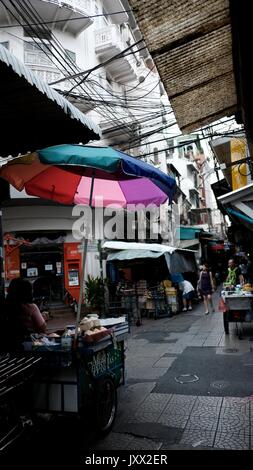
<point x="238" y="172"/>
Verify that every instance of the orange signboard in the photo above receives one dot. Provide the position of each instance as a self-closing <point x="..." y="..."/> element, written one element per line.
<point x="238" y="172"/>
<point x="72" y="269"/>
<point x="12" y="264"/>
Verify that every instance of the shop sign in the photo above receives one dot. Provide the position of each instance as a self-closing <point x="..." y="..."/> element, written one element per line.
<point x="12" y="264"/>
<point x="14" y="272"/>
<point x="48" y="267"/>
<point x="58" y="267"/>
<point x="73" y="276"/>
<point x="92" y="247"/>
<point x="32" y="272"/>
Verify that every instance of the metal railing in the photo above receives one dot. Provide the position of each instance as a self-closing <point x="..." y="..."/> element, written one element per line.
<point x="83" y="6"/>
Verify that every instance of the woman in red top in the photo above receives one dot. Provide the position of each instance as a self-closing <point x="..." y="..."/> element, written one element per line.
<point x="23" y="316"/>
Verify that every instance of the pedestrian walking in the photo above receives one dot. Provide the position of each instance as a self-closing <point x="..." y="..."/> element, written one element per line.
<point x="206" y="287"/>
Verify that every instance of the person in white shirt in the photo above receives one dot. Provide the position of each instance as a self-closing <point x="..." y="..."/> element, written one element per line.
<point x="187" y="293"/>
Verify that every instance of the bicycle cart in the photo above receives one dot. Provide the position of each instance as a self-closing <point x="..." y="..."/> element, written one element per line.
<point x="237" y="308"/>
<point x="79" y="379"/>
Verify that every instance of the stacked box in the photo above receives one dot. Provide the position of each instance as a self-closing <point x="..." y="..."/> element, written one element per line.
<point x="171" y="291"/>
<point x="141" y="287"/>
<point x="150" y="305"/>
<point x="174" y="308"/>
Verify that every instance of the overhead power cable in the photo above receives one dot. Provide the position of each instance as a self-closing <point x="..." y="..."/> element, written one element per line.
<point x="29" y="13"/>
<point x="191" y="142"/>
<point x="181" y="135"/>
<point x="42" y="23"/>
<point x="129" y="99"/>
<point x="102" y="64"/>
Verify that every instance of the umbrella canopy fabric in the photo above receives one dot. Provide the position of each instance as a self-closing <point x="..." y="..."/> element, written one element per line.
<point x="64" y="173"/>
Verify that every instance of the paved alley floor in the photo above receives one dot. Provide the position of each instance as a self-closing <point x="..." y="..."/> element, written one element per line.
<point x="188" y="386"/>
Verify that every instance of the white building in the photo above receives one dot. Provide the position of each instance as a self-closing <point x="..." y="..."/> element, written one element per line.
<point x="59" y="39"/>
<point x="97" y="46"/>
<point x="73" y="38"/>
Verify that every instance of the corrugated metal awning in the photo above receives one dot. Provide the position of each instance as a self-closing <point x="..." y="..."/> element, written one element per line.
<point x="191" y="43"/>
<point x="35" y="114"/>
<point x="239" y="205"/>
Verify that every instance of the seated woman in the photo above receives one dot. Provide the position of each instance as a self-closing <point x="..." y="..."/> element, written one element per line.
<point x="23" y="316"/>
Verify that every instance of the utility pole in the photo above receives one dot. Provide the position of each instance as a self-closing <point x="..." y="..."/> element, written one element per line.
<point x="1" y="257"/>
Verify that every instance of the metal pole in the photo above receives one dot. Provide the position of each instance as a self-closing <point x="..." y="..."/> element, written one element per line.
<point x="84" y="249"/>
<point x="1" y="257"/>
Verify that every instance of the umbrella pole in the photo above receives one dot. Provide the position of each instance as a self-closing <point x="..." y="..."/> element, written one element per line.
<point x="84" y="250"/>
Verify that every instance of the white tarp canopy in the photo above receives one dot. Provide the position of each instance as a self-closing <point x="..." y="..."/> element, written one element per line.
<point x="133" y="254"/>
<point x="140" y="246"/>
<point x="177" y="259"/>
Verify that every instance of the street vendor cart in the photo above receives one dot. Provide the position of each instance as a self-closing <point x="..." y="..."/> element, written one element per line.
<point x="64" y="378"/>
<point x="237" y="307"/>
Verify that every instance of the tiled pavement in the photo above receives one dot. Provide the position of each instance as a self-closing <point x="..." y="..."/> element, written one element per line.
<point x="222" y="423"/>
<point x="149" y="420"/>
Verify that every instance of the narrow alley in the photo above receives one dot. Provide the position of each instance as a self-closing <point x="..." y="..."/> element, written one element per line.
<point x="188" y="386"/>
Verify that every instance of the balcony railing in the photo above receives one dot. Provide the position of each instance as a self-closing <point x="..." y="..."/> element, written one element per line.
<point x="108" y="37"/>
<point x="52" y="75"/>
<point x="72" y="16"/>
<point x="46" y="74"/>
<point x="108" y="43"/>
<point x="83" y="6"/>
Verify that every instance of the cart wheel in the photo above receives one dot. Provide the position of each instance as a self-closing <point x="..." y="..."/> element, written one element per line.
<point x="106" y="405"/>
<point x="225" y="323"/>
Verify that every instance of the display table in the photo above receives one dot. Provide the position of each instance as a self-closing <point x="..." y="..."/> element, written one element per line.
<point x="237" y="308"/>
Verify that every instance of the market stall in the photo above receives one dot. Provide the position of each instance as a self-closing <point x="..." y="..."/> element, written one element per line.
<point x="149" y="272"/>
<point x="237" y="307"/>
<point x="74" y="379"/>
<point x="61" y="376"/>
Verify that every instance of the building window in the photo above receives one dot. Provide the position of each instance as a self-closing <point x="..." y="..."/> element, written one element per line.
<point x="37" y="54"/>
<point x="188" y="152"/>
<point x="195" y="179"/>
<point x="185" y="151"/>
<point x="170" y="143"/>
<point x="70" y="55"/>
<point x="182" y="150"/>
<point x="156" y="157"/>
<point x="5" y="44"/>
<point x="194" y="198"/>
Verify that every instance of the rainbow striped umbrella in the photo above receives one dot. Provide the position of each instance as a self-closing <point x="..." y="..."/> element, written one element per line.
<point x="66" y="174"/>
<point x="78" y="174"/>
